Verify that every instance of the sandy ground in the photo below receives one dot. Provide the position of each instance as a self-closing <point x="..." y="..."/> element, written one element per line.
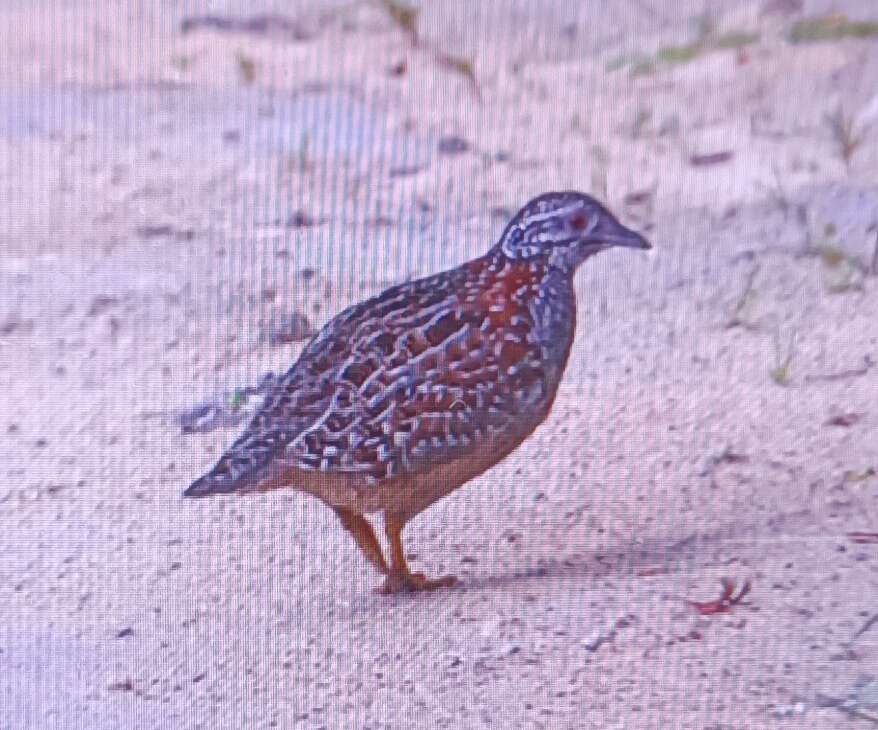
<point x="166" y="198"/>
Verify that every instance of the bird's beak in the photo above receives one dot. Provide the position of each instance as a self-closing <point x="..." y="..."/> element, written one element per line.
<point x="612" y="233"/>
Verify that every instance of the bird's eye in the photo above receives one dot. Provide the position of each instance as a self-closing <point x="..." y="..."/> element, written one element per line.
<point x="579" y="221"/>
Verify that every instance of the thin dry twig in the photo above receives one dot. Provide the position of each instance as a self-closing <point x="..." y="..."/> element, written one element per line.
<point x="845" y="420"/>
<point x="404" y="16"/>
<point x="781" y="372"/>
<point x="864" y="628"/>
<point x="868" y="363"/>
<point x="778" y="193"/>
<point x="736" y="318"/>
<point x="713" y="158"/>
<point x="462" y="66"/>
<point x="845" y="133"/>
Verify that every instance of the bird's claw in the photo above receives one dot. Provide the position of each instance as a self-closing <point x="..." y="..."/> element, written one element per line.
<point x="397" y="582"/>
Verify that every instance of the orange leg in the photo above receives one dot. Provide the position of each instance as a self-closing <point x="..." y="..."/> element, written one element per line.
<point x="400" y="578"/>
<point x="363" y="533"/>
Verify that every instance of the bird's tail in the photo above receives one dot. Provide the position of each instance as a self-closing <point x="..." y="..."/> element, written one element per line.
<point x="232" y="474"/>
<point x="243" y="468"/>
<point x="211" y="484"/>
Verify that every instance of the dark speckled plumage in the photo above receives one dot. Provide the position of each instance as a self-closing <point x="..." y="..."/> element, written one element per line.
<point x="402" y="398"/>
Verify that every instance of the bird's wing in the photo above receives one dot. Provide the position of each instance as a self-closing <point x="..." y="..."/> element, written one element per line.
<point x="291" y="406"/>
<point x="317" y="393"/>
<point x="425" y="373"/>
<point x="428" y="376"/>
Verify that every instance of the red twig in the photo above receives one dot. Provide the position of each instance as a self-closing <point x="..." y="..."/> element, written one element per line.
<point x="725" y="602"/>
<point x="864" y="538"/>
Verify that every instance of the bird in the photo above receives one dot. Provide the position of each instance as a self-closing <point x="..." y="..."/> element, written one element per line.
<point x="403" y="398"/>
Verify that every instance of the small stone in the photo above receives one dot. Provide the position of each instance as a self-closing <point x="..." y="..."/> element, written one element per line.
<point x="290" y="328"/>
<point x="795" y="708"/>
<point x="867" y="696"/>
<point x="101" y="304"/>
<point x="710" y="158"/>
<point x="593" y="641"/>
<point x="822" y="701"/>
<point x="204" y="418"/>
<point x="406" y="170"/>
<point x="14" y="323"/>
<point x="451" y="145"/>
<point x="154" y="231"/>
<point x="300" y="219"/>
<point x="781" y="7"/>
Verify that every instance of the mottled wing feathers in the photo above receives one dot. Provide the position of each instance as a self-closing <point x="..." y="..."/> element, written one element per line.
<point x="292" y="405"/>
<point x="423" y="374"/>
<point x="431" y="370"/>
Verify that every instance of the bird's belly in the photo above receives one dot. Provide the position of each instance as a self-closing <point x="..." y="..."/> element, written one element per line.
<point x="405" y="494"/>
<point x="410" y="494"/>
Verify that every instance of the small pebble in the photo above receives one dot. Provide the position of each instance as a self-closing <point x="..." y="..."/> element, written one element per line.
<point x="452" y="145"/>
<point x="204" y="418"/>
<point x="594" y="640"/>
<point x="796" y="708"/>
<point x="290" y="328"/>
<point x="14" y="323"/>
<point x="300" y="219"/>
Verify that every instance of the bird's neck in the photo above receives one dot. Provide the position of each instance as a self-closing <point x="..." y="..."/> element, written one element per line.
<point x="554" y="316"/>
<point x="532" y="288"/>
<point x="509" y="282"/>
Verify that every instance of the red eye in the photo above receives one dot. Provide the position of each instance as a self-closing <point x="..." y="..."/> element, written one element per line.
<point x="579" y="222"/>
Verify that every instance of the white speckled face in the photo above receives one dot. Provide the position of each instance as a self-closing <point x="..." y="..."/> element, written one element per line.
<point x="566" y="228"/>
<point x="548" y="221"/>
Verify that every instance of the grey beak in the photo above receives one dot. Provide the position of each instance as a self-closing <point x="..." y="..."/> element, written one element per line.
<point x="612" y="233"/>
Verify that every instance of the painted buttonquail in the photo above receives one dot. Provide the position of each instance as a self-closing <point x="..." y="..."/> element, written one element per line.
<point x="407" y="396"/>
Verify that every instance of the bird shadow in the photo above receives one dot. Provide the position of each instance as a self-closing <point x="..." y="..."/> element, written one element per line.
<point x="659" y="555"/>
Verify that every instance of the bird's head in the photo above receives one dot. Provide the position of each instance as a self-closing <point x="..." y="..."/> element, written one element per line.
<point x="565" y="228"/>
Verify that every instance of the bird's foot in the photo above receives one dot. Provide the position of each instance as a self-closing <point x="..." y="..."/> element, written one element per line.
<point x="398" y="581"/>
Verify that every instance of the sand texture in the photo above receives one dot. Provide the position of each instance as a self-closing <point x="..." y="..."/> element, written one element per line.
<point x="187" y="190"/>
